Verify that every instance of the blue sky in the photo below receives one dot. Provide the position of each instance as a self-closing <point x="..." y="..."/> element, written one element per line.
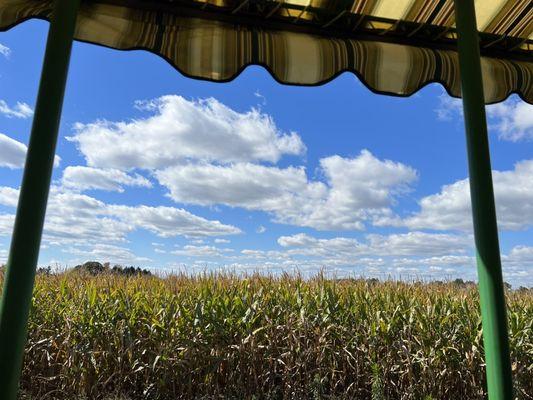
<point x="161" y="171"/>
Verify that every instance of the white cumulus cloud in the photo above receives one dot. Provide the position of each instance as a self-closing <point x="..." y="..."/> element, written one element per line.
<point x="404" y="244"/>
<point x="170" y="221"/>
<point x="13" y="153"/>
<point x="178" y="130"/>
<point x="356" y="189"/>
<point x="8" y="196"/>
<point x="105" y="252"/>
<point x="87" y="178"/>
<point x="4" y="50"/>
<point x="78" y="219"/>
<point x="512" y="119"/>
<point x="201" y="251"/>
<point x="20" y="110"/>
<point x="450" y="208"/>
<point x="448" y="108"/>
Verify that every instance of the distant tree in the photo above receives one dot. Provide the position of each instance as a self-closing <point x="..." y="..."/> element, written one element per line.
<point x="129" y="271"/>
<point x="90" y="267"/>
<point x="44" y="270"/>
<point x="372" y="281"/>
<point x="96" y="268"/>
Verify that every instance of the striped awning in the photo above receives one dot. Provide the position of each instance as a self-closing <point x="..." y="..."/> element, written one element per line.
<point x="394" y="46"/>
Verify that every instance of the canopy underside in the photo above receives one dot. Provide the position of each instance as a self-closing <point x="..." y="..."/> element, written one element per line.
<point x="395" y="50"/>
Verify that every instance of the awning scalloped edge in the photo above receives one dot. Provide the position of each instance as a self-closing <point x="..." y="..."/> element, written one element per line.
<point x="219" y="52"/>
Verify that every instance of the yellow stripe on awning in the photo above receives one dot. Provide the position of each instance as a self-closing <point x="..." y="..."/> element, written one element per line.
<point x="392" y="9"/>
<point x="486" y="11"/>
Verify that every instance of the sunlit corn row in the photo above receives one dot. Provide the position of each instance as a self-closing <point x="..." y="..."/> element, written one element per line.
<point x="224" y="337"/>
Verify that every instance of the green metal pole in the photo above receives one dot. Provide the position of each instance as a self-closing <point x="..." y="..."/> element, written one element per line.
<point x="491" y="291"/>
<point x="26" y="239"/>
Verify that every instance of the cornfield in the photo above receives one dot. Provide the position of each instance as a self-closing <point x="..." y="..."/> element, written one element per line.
<point x="257" y="337"/>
